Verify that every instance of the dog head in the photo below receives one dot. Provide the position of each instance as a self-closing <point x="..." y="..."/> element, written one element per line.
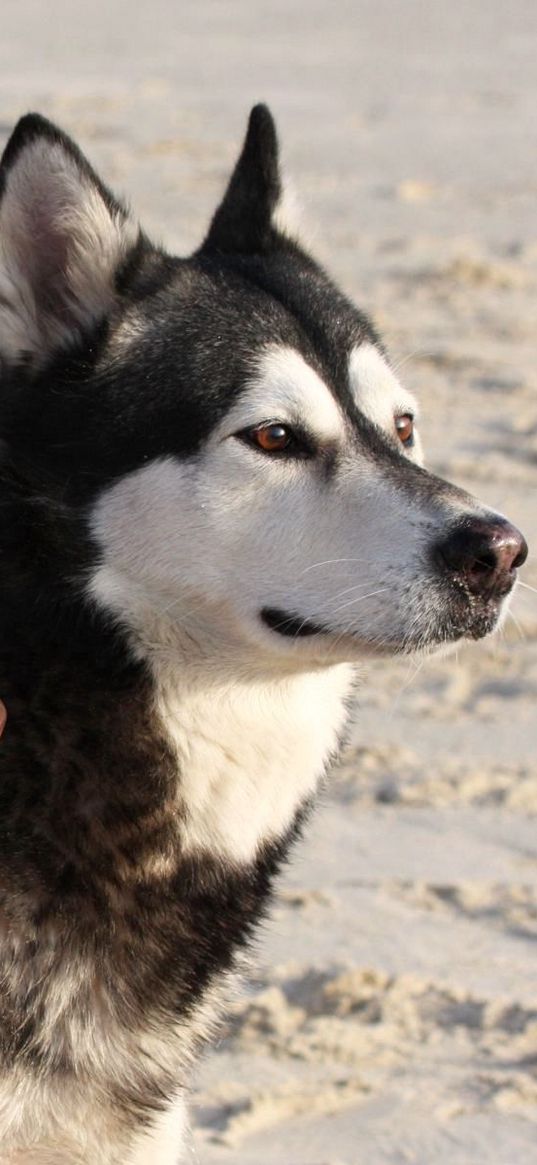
<point x="245" y="464"/>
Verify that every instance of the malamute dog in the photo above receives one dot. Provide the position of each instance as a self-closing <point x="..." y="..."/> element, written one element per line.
<point x="212" y="507"/>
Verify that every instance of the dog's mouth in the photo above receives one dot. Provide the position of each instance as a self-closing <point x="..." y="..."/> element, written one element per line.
<point x="292" y="626"/>
<point x="463" y="616"/>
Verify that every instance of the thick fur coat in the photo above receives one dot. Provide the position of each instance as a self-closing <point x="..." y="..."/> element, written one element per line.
<point x="212" y="507"/>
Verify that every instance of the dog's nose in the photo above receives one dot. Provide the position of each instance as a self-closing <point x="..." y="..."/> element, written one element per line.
<point x="484" y="555"/>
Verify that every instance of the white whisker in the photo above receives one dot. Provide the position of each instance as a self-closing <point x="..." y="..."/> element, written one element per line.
<point x="526" y="586"/>
<point x="347" y="590"/>
<point x="331" y="562"/>
<point x="359" y="599"/>
<point x="420" y="353"/>
<point x="518" y="625"/>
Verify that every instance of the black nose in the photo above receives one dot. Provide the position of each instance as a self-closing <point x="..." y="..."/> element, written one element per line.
<point x="483" y="554"/>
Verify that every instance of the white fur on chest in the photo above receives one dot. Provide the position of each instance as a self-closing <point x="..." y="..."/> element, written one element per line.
<point x="250" y="754"/>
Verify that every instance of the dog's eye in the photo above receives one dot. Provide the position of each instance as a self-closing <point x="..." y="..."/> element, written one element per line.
<point x="273" y="437"/>
<point x="404" y="427"/>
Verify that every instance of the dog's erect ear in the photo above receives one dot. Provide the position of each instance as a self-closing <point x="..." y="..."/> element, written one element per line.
<point x="62" y="239"/>
<point x="244" y="221"/>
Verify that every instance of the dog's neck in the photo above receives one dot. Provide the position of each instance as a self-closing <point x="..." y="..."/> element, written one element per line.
<point x="250" y="751"/>
<point x="146" y="808"/>
<point x="251" y="734"/>
<point x="233" y="753"/>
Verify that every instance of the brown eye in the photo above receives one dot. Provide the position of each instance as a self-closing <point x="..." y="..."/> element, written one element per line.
<point x="272" y="438"/>
<point x="279" y="440"/>
<point x="404" y="427"/>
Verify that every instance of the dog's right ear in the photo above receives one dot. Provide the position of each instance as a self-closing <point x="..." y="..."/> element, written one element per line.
<point x="63" y="237"/>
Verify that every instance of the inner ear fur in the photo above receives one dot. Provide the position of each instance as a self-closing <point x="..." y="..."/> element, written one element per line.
<point x="63" y="237"/>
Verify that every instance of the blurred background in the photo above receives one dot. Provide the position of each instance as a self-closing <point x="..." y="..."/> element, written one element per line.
<point x="390" y="1009"/>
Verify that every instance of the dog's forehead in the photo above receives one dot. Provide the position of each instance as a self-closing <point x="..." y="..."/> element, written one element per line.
<point x="248" y="303"/>
<point x="278" y="332"/>
<point x="326" y="324"/>
<point x="206" y="307"/>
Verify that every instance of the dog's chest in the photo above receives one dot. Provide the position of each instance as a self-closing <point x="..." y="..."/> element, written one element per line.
<point x="157" y="848"/>
<point x="250" y="756"/>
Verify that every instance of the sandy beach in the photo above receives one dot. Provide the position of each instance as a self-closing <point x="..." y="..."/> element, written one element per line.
<point x="389" y="1011"/>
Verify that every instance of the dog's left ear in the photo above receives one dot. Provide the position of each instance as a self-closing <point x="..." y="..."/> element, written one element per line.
<point x="244" y="222"/>
<point x="63" y="237"/>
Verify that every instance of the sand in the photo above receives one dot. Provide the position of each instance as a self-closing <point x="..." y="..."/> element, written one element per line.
<point x="389" y="1013"/>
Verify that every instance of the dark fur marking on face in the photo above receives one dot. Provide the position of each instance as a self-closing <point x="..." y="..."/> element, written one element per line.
<point x="291" y="626"/>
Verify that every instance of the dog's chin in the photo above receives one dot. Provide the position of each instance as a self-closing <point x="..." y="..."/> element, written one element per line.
<point x="473" y="620"/>
<point x="443" y="633"/>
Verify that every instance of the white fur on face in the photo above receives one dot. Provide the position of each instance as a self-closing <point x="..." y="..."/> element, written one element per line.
<point x="285" y="388"/>
<point x="380" y="395"/>
<point x="193" y="551"/>
<point x="212" y="540"/>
